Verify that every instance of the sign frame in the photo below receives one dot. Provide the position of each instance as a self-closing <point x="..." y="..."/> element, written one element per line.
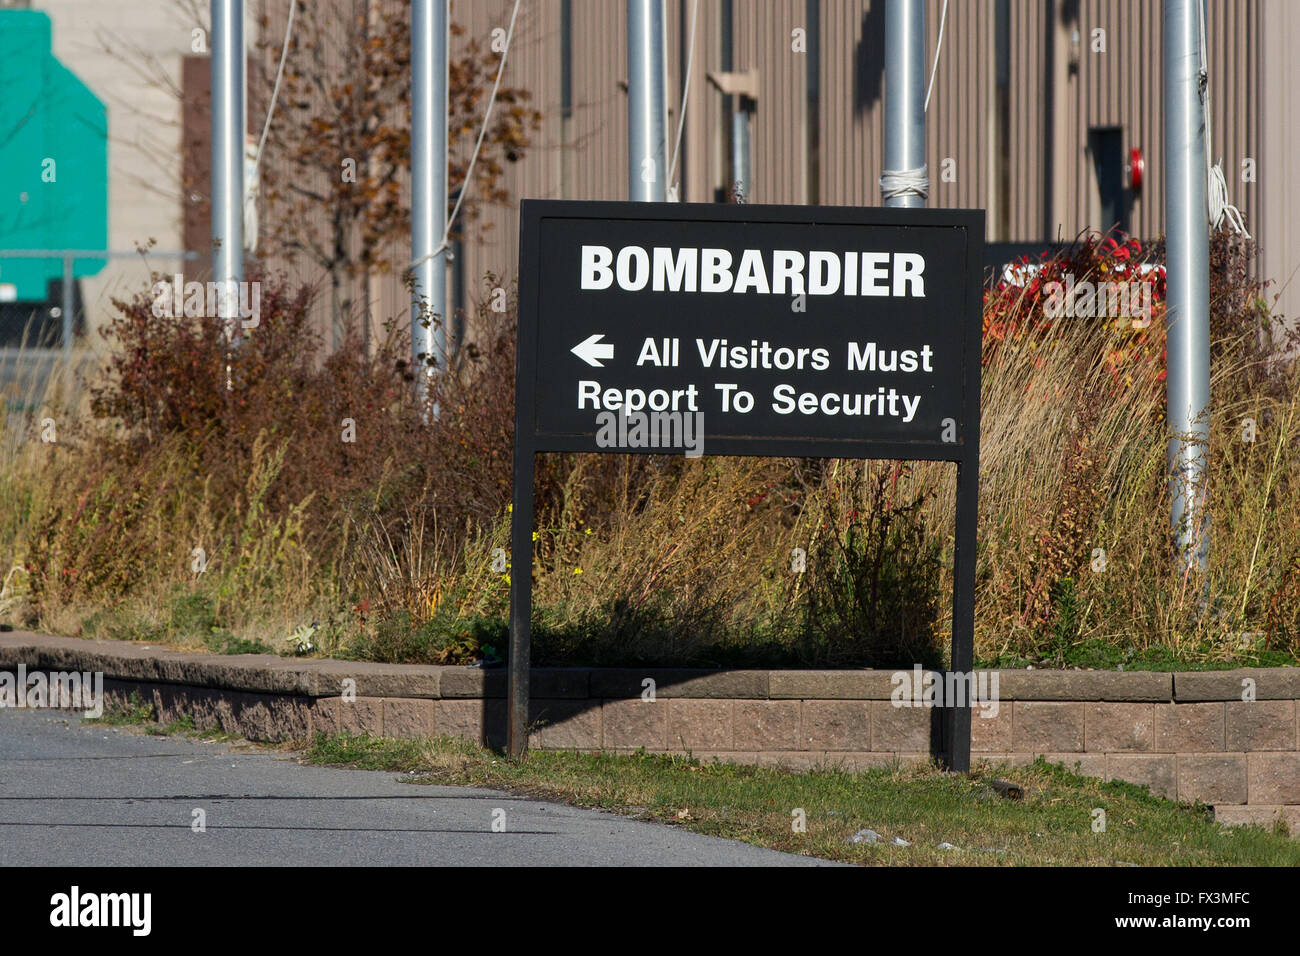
<point x="964" y="452"/>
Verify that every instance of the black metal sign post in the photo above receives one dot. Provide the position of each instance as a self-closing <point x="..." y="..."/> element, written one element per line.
<point x="800" y="331"/>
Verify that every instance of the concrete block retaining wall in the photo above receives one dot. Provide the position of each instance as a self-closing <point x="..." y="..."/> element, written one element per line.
<point x="1188" y="736"/>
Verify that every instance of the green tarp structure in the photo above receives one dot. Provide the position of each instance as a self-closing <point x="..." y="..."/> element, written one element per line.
<point x="53" y="160"/>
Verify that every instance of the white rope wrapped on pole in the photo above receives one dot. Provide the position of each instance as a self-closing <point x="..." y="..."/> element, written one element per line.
<point x="898" y="185"/>
<point x="1220" y="209"/>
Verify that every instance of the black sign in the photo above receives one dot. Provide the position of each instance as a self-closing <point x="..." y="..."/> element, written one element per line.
<point x="747" y="330"/>
<point x="750" y="330"/>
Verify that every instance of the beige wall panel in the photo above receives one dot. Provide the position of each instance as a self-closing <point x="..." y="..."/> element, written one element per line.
<point x="1278" y="77"/>
<point x="1058" y="89"/>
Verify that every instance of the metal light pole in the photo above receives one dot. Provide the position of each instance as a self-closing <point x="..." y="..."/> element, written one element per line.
<point x="1187" y="315"/>
<point x="742" y="165"/>
<point x="735" y="105"/>
<point x="904" y="102"/>
<point x="647" y="170"/>
<point x="904" y="184"/>
<point x="428" y="188"/>
<point x="228" y="157"/>
<point x="647" y="143"/>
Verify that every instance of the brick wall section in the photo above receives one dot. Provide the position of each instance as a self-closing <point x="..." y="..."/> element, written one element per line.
<point x="1188" y="736"/>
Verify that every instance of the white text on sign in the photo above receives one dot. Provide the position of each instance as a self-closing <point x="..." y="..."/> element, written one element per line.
<point x="781" y="272"/>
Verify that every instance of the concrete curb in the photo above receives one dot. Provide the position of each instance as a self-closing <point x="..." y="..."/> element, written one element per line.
<point x="270" y="674"/>
<point x="1195" y="736"/>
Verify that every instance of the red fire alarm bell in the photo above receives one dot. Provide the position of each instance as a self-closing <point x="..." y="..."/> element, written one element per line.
<point x="1136" y="167"/>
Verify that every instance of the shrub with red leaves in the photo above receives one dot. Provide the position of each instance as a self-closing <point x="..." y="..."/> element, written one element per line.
<point x="1027" y="299"/>
<point x="1117" y="285"/>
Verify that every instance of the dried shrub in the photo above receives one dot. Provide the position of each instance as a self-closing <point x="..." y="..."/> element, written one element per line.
<point x="872" y="595"/>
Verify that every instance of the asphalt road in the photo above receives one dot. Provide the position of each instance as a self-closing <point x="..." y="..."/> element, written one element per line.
<point x="77" y="794"/>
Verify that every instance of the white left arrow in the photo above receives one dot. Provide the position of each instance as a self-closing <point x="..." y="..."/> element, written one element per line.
<point x="591" y="350"/>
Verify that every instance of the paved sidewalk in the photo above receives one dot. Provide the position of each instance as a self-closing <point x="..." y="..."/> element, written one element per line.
<point x="74" y="793"/>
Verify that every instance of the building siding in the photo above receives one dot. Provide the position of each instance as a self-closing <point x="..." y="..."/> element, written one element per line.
<point x="1058" y="89"/>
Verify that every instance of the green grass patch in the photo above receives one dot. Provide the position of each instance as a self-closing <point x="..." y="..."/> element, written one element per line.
<point x="136" y="712"/>
<point x="189" y="619"/>
<point x="1053" y="825"/>
<point x="132" y="711"/>
<point x="1106" y="655"/>
<point x="183" y="725"/>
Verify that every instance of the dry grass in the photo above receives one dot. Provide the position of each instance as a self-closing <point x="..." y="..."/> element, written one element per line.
<point x="390" y="550"/>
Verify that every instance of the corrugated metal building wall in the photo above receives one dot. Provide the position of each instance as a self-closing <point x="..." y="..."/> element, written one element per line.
<point x="1059" y="80"/>
<point x="1278" y="77"/>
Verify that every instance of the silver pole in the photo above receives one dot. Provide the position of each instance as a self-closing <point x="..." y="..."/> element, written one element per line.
<point x="740" y="149"/>
<point x="228" y="156"/>
<point x="428" y="187"/>
<point x="646" y="142"/>
<point x="67" y="306"/>
<point x="905" y="91"/>
<point x="1187" y="316"/>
